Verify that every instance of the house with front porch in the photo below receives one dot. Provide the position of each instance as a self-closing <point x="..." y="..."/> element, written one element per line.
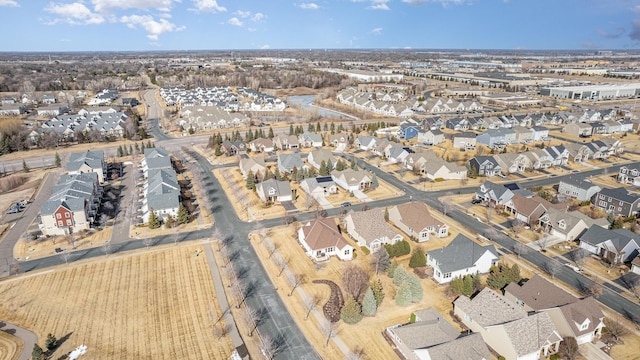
<point x="316" y="157"/>
<point x="507" y="328"/>
<point x="431" y="137"/>
<point x="485" y="165"/>
<point x="415" y="219"/>
<point x="577" y="187"/>
<point x="629" y="174"/>
<point x="540" y="133"/>
<point x="464" y="140"/>
<point x="319" y="186"/>
<point x="309" y="139"/>
<point x="351" y="180"/>
<point x="369" y="229"/>
<point x="615" y="245"/>
<point x="273" y="190"/>
<point x="617" y="201"/>
<point x="462" y="256"/>
<point x="494" y="194"/>
<point x="578" y="129"/>
<point x="568" y="225"/>
<point x="322" y="239"/>
<point x="287" y="162"/>
<point x="286" y="142"/>
<point x="365" y="143"/>
<point x="261" y="145"/>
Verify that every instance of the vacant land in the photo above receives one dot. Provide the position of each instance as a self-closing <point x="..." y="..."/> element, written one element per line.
<point x="27" y="184"/>
<point x="148" y="305"/>
<point x="10" y="346"/>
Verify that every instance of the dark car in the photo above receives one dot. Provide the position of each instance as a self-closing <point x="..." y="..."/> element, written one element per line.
<point x="476" y="201"/>
<point x="345" y="204"/>
<point x="58" y="250"/>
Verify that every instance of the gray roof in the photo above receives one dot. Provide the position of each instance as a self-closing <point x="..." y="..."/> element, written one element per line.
<point x="71" y="191"/>
<point x="470" y="347"/>
<point x="538" y="293"/>
<point x="620" y="193"/>
<point x="158" y="163"/>
<point x="289" y="161"/>
<point x="619" y="237"/>
<point x="94" y="159"/>
<point x="431" y="330"/>
<point x="578" y="181"/>
<point x="282" y="188"/>
<point x="461" y="253"/>
<point x="489" y="308"/>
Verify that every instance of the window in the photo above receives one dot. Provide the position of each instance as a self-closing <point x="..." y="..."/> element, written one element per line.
<point x="346" y="252"/>
<point x="60" y="223"/>
<point x="68" y="222"/>
<point x="58" y="216"/>
<point x="468" y="318"/>
<point x="602" y="204"/>
<point x="447" y="275"/>
<point x="601" y="196"/>
<point x="67" y="215"/>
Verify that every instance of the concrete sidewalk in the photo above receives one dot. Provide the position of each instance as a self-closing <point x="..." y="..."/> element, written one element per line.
<point x="238" y="343"/>
<point x="27" y="337"/>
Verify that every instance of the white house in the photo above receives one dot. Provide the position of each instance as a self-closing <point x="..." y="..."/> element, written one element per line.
<point x="416" y="221"/>
<point x="369" y="229"/>
<point x="321" y="240"/>
<point x="461" y="257"/>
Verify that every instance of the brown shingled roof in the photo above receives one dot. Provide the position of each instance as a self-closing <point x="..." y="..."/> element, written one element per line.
<point x="538" y="293"/>
<point x="323" y="233"/>
<point x="416" y="215"/>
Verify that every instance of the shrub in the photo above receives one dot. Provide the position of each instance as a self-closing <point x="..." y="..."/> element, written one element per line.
<point x="378" y="291"/>
<point x="51" y="342"/>
<point x="398" y="249"/>
<point x="365" y="250"/>
<point x="438" y="179"/>
<point x="418" y="258"/>
<point x="392" y="268"/>
<point x="351" y="312"/>
<point x="412" y="318"/>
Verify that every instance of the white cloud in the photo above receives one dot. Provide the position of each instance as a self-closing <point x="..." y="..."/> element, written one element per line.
<point x="377" y="31"/>
<point x="309" y="6"/>
<point x="258" y="17"/>
<point x="379" y="5"/>
<point x="243" y="14"/>
<point x="208" y="6"/>
<point x="11" y="3"/>
<point x="74" y="13"/>
<point x="251" y="29"/>
<point x="235" y="21"/>
<point x="264" y="47"/>
<point x="150" y="25"/>
<point x="107" y="6"/>
<point x="253" y="17"/>
<point x="443" y="2"/>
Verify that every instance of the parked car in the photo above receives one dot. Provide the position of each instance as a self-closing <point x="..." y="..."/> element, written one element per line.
<point x="13" y="210"/>
<point x="476" y="201"/>
<point x="345" y="204"/>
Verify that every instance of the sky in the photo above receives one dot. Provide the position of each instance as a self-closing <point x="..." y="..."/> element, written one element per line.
<point x="143" y="25"/>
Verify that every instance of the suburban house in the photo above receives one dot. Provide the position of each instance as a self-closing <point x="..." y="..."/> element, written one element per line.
<point x="629" y="174"/>
<point x="160" y="191"/>
<point x="416" y="161"/>
<point x="506" y="328"/>
<point x="365" y="143"/>
<point x="254" y="165"/>
<point x="464" y="140"/>
<point x="286" y="163"/>
<point x="537" y="294"/>
<point x="261" y="145"/>
<point x="72" y="206"/>
<point x="578" y="129"/>
<point x="316" y="157"/>
<point x="461" y="257"/>
<point x="397" y="154"/>
<point x="617" y="201"/>
<point x="485" y="165"/>
<point x="494" y="194"/>
<point x="635" y="265"/>
<point x="273" y="190"/>
<point x="494" y="138"/>
<point x="431" y="137"/>
<point x="232" y="148"/>
<point x="444" y="170"/>
<point x="540" y="133"/>
<point x="322" y="239"/>
<point x="568" y="225"/>
<point x="286" y="142"/>
<point x="415" y="219"/>
<point x="528" y="209"/>
<point x="88" y="161"/>
<point x="582" y="319"/>
<point x="319" y="186"/>
<point x="369" y="229"/>
<point x="578" y="188"/>
<point x="351" y="180"/>
<point x="432" y="337"/>
<point x="339" y="141"/>
<point x="309" y="139"/>
<point x="616" y="246"/>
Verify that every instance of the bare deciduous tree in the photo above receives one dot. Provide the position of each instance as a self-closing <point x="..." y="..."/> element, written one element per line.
<point x="253" y="318"/>
<point x="594" y="290"/>
<point x="310" y="302"/>
<point x="281" y="262"/>
<point x="520" y="249"/>
<point x="220" y="330"/>
<point x="552" y="267"/>
<point x="329" y="330"/>
<point x="355" y="280"/>
<point x="380" y="260"/>
<point x="517" y="226"/>
<point x="295" y="280"/>
<point x="65" y="256"/>
<point x="147" y="242"/>
<point x="356" y="354"/>
<point x="579" y="257"/>
<point x="445" y="203"/>
<point x="490" y="212"/>
<point x="269" y="346"/>
<point x="106" y="247"/>
<point x="615" y="327"/>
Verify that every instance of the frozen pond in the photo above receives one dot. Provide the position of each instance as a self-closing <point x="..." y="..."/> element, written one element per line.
<point x="306" y="101"/>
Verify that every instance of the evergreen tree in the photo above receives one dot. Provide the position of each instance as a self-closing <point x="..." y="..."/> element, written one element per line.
<point x="271" y="136"/>
<point x="467" y="285"/>
<point x="137" y="148"/>
<point x="386" y="218"/>
<point x="351" y="312"/>
<point x="294" y="174"/>
<point x="169" y="222"/>
<point x="318" y="127"/>
<point x="51" y="342"/>
<point x="329" y="167"/>
<point x="268" y="175"/>
<point x="378" y="291"/>
<point x="310" y="127"/>
<point x="130" y="150"/>
<point x="312" y="172"/>
<point x="323" y="169"/>
<point x="291" y="132"/>
<point x="183" y="215"/>
<point x="374" y="181"/>
<point x="37" y="353"/>
<point x="418" y="258"/>
<point x="403" y="295"/>
<point x="399" y="275"/>
<point x="326" y="127"/>
<point x="352" y="164"/>
<point x="392" y="269"/>
<point x="25" y="168"/>
<point x="277" y="175"/>
<point x="340" y="165"/>
<point x="57" y="161"/>
<point x="417" y="292"/>
<point x="217" y="151"/>
<point x="119" y="152"/>
<point x="250" y="182"/>
<point x="154" y="222"/>
<point x="369" y="305"/>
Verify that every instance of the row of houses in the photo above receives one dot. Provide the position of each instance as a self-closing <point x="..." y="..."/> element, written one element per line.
<point x="105" y="97"/>
<point x="581" y="129"/>
<point x="161" y="191"/>
<point x="210" y="117"/>
<point x="223" y="98"/>
<point x="108" y="121"/>
<point x="75" y="199"/>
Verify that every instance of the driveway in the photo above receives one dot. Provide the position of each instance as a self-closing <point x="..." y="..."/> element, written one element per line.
<point x="590" y="351"/>
<point x="25" y="335"/>
<point x="323" y="201"/>
<point x="126" y="210"/>
<point x="360" y="195"/>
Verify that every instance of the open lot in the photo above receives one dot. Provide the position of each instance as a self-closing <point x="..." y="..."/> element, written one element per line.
<point x="10" y="346"/>
<point x="29" y="183"/>
<point x="146" y="305"/>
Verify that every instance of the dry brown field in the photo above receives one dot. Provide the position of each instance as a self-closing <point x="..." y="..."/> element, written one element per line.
<point x="25" y="191"/>
<point x="10" y="346"/>
<point x="147" y="305"/>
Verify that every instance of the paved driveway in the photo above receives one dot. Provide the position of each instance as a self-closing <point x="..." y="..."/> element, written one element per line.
<point x="591" y="352"/>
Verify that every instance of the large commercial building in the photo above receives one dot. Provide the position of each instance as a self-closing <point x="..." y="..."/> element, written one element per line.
<point x="593" y="92"/>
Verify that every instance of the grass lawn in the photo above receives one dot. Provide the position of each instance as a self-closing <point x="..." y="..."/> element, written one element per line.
<point x="145" y="305"/>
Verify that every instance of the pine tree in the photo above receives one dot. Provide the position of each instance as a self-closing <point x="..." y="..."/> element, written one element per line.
<point x="250" y="183"/>
<point x="329" y="167"/>
<point x="25" y="168"/>
<point x="119" y="152"/>
<point x="291" y="132"/>
<point x="271" y="136"/>
<point x="403" y="295"/>
<point x="392" y="269"/>
<point x="340" y="165"/>
<point x="183" y="215"/>
<point x="417" y="291"/>
<point x="374" y="181"/>
<point x="137" y="147"/>
<point x="378" y="291"/>
<point x="277" y="175"/>
<point x="154" y="222"/>
<point x="352" y="165"/>
<point x="37" y="353"/>
<point x="318" y="127"/>
<point x="467" y="285"/>
<point x="294" y="173"/>
<point x="418" y="258"/>
<point x="310" y="127"/>
<point x="57" y="161"/>
<point x="51" y="342"/>
<point x="399" y="275"/>
<point x="268" y="175"/>
<point x="369" y="305"/>
<point x="323" y="169"/>
<point x="351" y="312"/>
<point x="130" y="150"/>
<point x="217" y="151"/>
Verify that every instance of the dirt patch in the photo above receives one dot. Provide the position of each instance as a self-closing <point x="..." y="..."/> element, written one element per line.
<point x="335" y="303"/>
